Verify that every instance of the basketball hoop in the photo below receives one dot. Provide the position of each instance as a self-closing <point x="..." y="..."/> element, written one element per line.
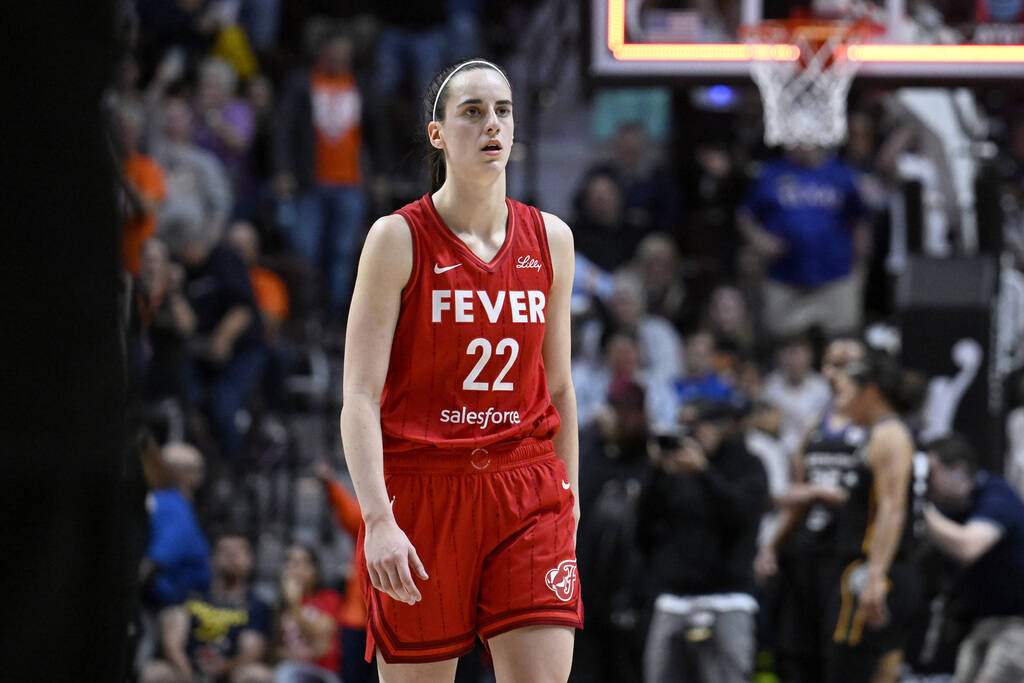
<point x="805" y="98"/>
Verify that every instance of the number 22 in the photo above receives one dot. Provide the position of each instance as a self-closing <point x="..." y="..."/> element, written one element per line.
<point x="504" y="346"/>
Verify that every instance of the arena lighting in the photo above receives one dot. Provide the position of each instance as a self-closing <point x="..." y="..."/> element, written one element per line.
<point x="973" y="54"/>
<point x="720" y="95"/>
<point x="737" y="52"/>
<point x="687" y="52"/>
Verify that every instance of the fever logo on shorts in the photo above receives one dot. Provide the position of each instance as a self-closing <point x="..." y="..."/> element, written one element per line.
<point x="562" y="580"/>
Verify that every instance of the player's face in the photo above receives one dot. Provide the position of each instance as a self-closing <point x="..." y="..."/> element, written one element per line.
<point x="858" y="406"/>
<point x="476" y="133"/>
<point x="837" y="357"/>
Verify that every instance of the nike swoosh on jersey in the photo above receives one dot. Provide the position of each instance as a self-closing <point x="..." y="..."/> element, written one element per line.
<point x="438" y="269"/>
<point x="566" y="485"/>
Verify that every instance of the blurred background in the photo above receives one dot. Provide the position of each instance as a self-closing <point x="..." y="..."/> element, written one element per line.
<point x="257" y="140"/>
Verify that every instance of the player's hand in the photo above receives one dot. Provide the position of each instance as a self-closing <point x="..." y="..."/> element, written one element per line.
<point x="576" y="516"/>
<point x="872" y="601"/>
<point x="389" y="557"/>
<point x="830" y="496"/>
<point x="766" y="564"/>
<point x="800" y="494"/>
<point x="797" y="494"/>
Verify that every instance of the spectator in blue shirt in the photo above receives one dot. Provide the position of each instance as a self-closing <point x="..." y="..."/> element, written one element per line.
<point x="804" y="217"/>
<point x="981" y="526"/>
<point x="177" y="558"/>
<point x="702" y="380"/>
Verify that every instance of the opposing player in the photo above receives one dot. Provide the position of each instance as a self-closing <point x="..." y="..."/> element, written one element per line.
<point x="804" y="544"/>
<point x="876" y="530"/>
<point x="456" y="381"/>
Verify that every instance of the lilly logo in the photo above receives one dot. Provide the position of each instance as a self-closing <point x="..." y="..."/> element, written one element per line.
<point x="528" y="262"/>
<point x="563" y="580"/>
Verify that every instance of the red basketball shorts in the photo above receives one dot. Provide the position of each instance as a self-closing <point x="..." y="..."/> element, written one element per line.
<point x="496" y="534"/>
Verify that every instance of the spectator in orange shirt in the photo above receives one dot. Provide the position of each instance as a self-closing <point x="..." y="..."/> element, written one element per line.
<point x="317" y="147"/>
<point x="354" y="668"/>
<point x="270" y="290"/>
<point x="273" y="303"/>
<point x="144" y="189"/>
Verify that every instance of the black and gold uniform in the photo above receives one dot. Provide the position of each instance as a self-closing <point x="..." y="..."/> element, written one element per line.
<point x="807" y="567"/>
<point x="855" y="647"/>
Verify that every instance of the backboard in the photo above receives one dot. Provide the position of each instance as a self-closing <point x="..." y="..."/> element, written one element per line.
<point x="936" y="42"/>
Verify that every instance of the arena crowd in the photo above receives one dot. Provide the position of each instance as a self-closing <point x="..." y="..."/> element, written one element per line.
<point x="729" y="301"/>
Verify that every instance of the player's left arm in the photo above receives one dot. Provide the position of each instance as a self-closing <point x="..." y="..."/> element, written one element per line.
<point x="557" y="349"/>
<point x="890" y="457"/>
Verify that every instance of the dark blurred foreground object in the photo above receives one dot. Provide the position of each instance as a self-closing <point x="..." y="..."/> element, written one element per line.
<point x="65" y="572"/>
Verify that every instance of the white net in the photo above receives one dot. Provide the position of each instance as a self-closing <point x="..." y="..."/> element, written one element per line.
<point x="805" y="100"/>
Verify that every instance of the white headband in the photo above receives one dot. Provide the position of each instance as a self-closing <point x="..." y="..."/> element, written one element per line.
<point x="455" y="71"/>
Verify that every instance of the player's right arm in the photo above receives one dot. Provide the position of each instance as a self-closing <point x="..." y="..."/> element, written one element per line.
<point x="385" y="267"/>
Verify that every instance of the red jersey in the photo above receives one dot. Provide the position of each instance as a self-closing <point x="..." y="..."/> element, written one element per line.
<point x="466" y="368"/>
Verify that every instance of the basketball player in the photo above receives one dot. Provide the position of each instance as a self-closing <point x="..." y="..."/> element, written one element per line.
<point x="806" y="535"/>
<point x="877" y="589"/>
<point x="456" y="382"/>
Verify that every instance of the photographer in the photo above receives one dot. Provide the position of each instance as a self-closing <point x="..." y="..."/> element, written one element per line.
<point x="697" y="523"/>
<point x="978" y="520"/>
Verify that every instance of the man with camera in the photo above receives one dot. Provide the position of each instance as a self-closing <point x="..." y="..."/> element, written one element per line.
<point x="978" y="520"/>
<point x="697" y="524"/>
